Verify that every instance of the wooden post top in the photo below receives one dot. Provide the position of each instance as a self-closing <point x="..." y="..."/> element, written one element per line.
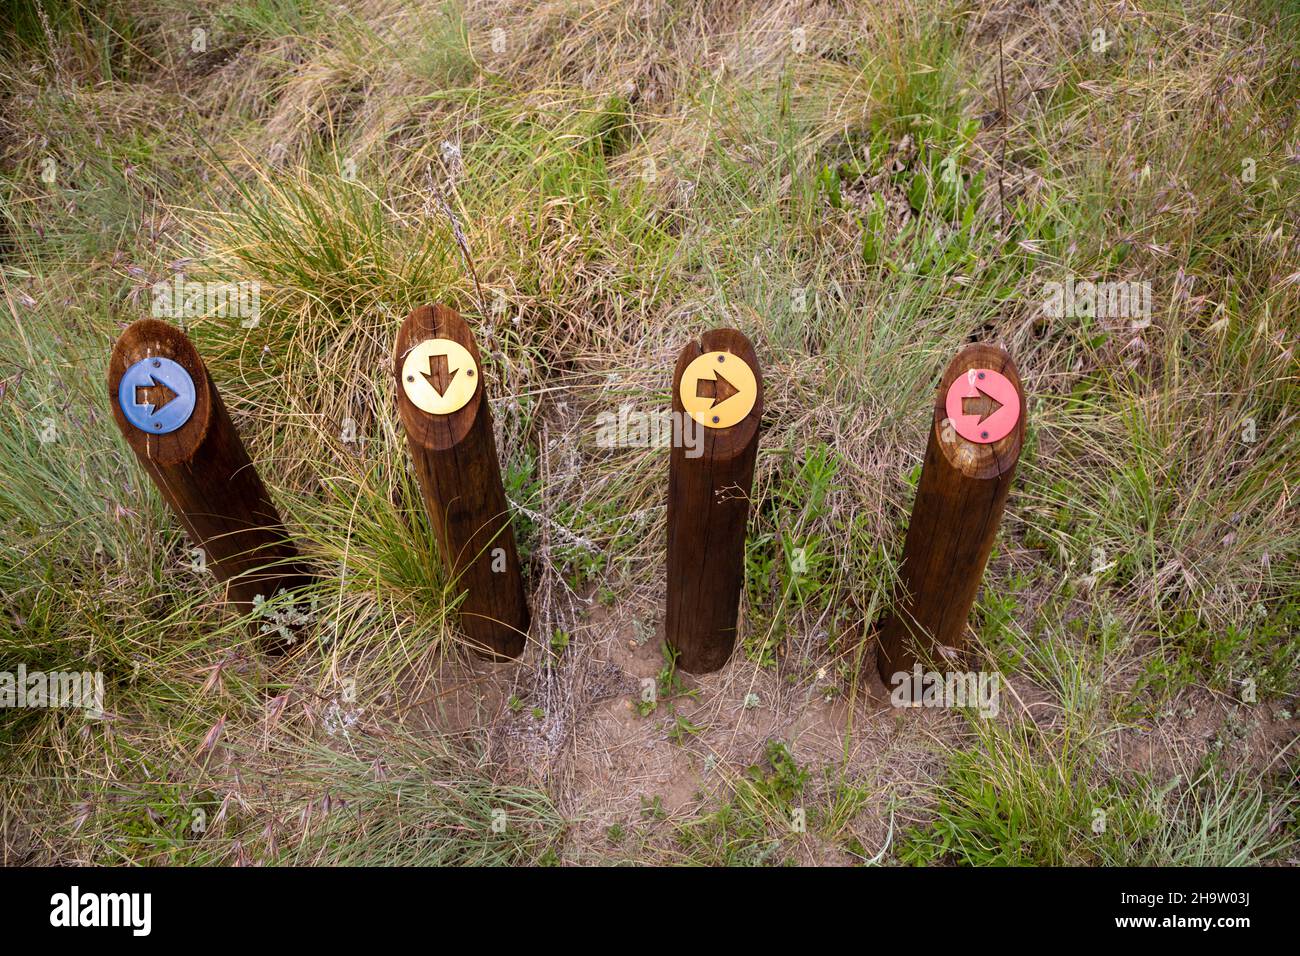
<point x="437" y="432"/>
<point x="972" y="458"/>
<point x="728" y="442"/>
<point x="149" y="339"/>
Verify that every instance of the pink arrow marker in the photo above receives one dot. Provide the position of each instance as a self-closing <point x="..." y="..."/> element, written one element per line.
<point x="990" y="428"/>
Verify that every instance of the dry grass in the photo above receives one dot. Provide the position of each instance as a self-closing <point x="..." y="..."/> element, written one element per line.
<point x="626" y="175"/>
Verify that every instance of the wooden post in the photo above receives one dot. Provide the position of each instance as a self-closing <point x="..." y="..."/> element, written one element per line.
<point x="441" y="401"/>
<point x="717" y="404"/>
<point x="176" y="424"/>
<point x="970" y="460"/>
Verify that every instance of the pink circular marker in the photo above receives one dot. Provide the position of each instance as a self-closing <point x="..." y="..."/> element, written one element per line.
<point x="993" y="385"/>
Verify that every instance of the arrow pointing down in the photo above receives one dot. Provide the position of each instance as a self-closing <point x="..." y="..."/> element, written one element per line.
<point x="440" y="374"/>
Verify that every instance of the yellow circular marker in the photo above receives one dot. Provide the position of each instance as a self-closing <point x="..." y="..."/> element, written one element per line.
<point x="718" y="389"/>
<point x="439" y="376"/>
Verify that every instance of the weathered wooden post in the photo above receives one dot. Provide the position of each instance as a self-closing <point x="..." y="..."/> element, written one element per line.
<point x="172" y="417"/>
<point x="970" y="461"/>
<point x="717" y="404"/>
<point x="441" y="401"/>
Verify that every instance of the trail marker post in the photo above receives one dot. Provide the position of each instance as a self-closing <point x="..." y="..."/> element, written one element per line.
<point x="172" y="417"/>
<point x="717" y="390"/>
<point x="975" y="438"/>
<point x="444" y="409"/>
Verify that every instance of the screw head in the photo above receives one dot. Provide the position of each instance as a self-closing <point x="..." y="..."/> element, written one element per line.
<point x="469" y="372"/>
<point x="979" y="374"/>
<point x="716" y="419"/>
<point x="410" y="378"/>
<point x="722" y="358"/>
<point x="984" y="434"/>
<point x="157" y="364"/>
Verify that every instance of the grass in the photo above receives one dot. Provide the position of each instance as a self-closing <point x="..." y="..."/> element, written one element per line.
<point x="854" y="198"/>
<point x="1023" y="798"/>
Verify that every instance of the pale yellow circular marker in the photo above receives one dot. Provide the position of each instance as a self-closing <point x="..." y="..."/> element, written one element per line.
<point x="718" y="389"/>
<point x="439" y="376"/>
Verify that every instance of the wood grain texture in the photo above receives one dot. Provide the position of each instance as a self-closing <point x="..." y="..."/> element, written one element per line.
<point x="708" y="509"/>
<point x="955" y="517"/>
<point x="204" y="473"/>
<point x="455" y="460"/>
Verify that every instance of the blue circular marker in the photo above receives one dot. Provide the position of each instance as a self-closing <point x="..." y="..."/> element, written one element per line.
<point x="156" y="395"/>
